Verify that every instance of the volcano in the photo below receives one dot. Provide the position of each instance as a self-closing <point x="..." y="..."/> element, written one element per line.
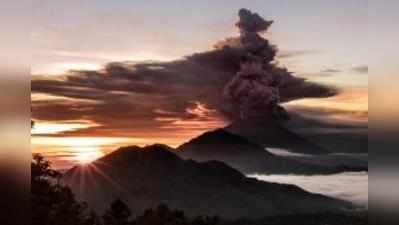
<point x="247" y="157"/>
<point x="269" y="132"/>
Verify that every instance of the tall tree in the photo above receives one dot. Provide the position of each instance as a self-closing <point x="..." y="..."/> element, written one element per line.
<point x="52" y="203"/>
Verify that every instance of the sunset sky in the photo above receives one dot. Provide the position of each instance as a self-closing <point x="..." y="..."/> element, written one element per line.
<point x="96" y="110"/>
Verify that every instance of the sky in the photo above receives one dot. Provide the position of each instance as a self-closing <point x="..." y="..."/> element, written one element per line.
<point x="83" y="118"/>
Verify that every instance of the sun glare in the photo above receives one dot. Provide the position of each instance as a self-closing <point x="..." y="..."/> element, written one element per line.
<point x="81" y="150"/>
<point x="54" y="128"/>
<point x="87" y="155"/>
<point x="63" y="67"/>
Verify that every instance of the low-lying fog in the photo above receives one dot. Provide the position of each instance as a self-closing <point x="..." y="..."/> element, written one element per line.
<point x="351" y="186"/>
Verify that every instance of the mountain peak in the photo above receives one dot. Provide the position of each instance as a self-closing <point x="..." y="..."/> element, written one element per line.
<point x="269" y="132"/>
<point x="150" y="153"/>
<point x="219" y="136"/>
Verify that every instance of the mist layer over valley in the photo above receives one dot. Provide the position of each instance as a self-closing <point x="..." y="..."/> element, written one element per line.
<point x="350" y="186"/>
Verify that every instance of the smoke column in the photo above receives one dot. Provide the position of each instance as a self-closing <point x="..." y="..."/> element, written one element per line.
<point x="254" y="90"/>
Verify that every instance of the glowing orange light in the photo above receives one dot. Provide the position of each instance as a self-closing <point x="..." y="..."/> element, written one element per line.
<point x="87" y="155"/>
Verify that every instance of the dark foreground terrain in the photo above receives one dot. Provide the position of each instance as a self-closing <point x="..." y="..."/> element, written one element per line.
<point x="54" y="203"/>
<point x="147" y="177"/>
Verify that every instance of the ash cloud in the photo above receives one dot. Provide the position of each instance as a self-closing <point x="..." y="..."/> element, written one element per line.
<point x="252" y="22"/>
<point x="255" y="89"/>
<point x="124" y="96"/>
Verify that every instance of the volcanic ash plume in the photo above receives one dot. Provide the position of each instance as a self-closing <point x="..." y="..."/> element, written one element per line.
<point x="254" y="90"/>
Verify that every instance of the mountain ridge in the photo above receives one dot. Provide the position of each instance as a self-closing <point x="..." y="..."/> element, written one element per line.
<point x="146" y="177"/>
<point x="248" y="157"/>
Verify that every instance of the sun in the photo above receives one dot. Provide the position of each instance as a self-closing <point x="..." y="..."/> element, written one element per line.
<point x="87" y="155"/>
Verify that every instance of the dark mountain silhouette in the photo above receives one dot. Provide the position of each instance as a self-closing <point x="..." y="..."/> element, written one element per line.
<point x="268" y="132"/>
<point x="247" y="157"/>
<point x="146" y="177"/>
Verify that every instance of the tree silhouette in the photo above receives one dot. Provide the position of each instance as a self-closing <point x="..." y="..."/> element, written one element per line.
<point x="206" y="221"/>
<point x="162" y="215"/>
<point x="52" y="203"/>
<point x="117" y="214"/>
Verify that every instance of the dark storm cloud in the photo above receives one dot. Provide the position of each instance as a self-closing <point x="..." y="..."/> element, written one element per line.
<point x="127" y="95"/>
<point x="361" y="69"/>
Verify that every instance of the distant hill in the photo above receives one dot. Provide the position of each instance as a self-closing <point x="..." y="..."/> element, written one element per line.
<point x="146" y="177"/>
<point x="268" y="132"/>
<point x="247" y="157"/>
